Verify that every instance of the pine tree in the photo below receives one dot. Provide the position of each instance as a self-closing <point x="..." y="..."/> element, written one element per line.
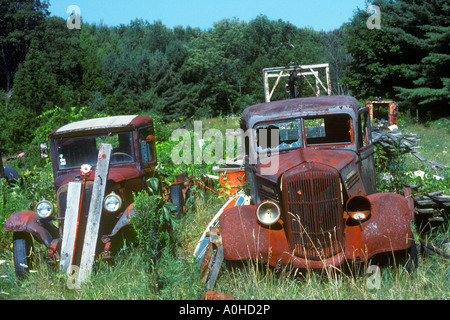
<point x="407" y="59"/>
<point x="431" y="76"/>
<point x="20" y="22"/>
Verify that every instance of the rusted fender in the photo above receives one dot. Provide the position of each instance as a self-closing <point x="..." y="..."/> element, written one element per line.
<point x="124" y="220"/>
<point x="28" y="221"/>
<point x="243" y="238"/>
<point x="388" y="229"/>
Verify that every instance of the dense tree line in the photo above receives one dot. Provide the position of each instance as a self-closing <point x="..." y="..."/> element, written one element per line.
<point x="189" y="72"/>
<point x="408" y="59"/>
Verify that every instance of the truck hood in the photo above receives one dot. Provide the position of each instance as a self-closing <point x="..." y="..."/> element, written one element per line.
<point x="116" y="175"/>
<point x="337" y="159"/>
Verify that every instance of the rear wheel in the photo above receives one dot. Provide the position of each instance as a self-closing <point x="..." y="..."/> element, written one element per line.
<point x="22" y="251"/>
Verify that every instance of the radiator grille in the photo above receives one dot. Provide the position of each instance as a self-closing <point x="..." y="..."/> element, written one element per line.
<point x="313" y="211"/>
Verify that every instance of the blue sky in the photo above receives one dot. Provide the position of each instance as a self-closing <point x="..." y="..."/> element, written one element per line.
<point x="319" y="14"/>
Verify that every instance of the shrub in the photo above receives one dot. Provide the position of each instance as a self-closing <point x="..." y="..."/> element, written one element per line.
<point x="390" y="170"/>
<point x="153" y="224"/>
<point x="56" y="117"/>
<point x="442" y="123"/>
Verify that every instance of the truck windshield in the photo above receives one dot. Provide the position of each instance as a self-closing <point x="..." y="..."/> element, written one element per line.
<point x="282" y="135"/>
<point x="74" y="152"/>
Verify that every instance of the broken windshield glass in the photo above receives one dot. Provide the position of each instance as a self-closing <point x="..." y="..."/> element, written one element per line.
<point x="74" y="152"/>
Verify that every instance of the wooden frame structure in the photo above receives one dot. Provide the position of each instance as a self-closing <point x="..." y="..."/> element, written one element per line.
<point x="302" y="71"/>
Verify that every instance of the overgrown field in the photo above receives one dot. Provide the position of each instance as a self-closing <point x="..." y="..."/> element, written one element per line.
<point x="135" y="274"/>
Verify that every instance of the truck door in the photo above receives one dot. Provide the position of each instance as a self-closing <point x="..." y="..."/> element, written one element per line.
<point x="366" y="151"/>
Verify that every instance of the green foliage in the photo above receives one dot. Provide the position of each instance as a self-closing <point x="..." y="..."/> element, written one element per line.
<point x="442" y="123"/>
<point x="57" y="117"/>
<point x="179" y="279"/>
<point x="391" y="170"/>
<point x="11" y="200"/>
<point x="153" y="223"/>
<point x="51" y="69"/>
<point x="20" y="124"/>
<point x="430" y="182"/>
<point x="148" y="68"/>
<point x="406" y="59"/>
<point x="21" y="22"/>
<point x="184" y="72"/>
<point x="23" y="194"/>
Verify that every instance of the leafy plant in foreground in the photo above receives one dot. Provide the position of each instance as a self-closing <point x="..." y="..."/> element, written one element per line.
<point x="153" y="223"/>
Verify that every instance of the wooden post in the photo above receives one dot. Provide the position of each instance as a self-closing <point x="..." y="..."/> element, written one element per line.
<point x="266" y="86"/>
<point x="95" y="212"/>
<point x="327" y="68"/>
<point x="70" y="227"/>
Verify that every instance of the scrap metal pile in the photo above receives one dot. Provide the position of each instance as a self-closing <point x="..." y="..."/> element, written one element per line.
<point x="436" y="204"/>
<point x="396" y="141"/>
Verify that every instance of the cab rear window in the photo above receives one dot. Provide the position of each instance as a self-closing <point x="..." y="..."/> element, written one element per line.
<point x="334" y="129"/>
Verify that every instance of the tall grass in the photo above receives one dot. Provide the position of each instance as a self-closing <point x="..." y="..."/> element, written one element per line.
<point x="178" y="276"/>
<point x="434" y="143"/>
<point x="255" y="281"/>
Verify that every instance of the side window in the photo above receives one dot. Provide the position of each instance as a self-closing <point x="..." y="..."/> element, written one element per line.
<point x="147" y="146"/>
<point x="364" y="137"/>
<point x="147" y="154"/>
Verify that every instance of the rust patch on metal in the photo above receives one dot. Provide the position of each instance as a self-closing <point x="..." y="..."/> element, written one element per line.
<point x="212" y="295"/>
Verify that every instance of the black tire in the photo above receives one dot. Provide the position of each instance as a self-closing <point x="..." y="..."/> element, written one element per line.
<point x="176" y="197"/>
<point x="430" y="249"/>
<point x="22" y="251"/>
<point x="412" y="259"/>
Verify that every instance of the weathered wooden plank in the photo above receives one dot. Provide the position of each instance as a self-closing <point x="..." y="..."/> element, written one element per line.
<point x="436" y="164"/>
<point x="418" y="156"/>
<point x="95" y="212"/>
<point x="70" y="226"/>
<point x="435" y="193"/>
<point x="216" y="259"/>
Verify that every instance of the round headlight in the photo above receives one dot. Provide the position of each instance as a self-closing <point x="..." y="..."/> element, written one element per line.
<point x="268" y="212"/>
<point x="359" y="208"/>
<point x="112" y="202"/>
<point x="44" y="209"/>
<point x="358" y="215"/>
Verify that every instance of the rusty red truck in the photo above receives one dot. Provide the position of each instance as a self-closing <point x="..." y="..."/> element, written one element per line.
<point x="73" y="149"/>
<point x="318" y="205"/>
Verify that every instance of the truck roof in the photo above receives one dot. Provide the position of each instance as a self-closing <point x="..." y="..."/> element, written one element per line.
<point x="103" y="123"/>
<point x="301" y="107"/>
